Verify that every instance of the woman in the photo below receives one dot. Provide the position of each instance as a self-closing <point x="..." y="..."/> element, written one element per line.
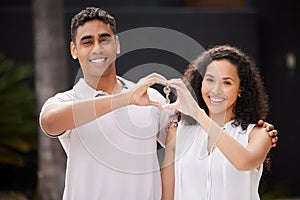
<point x="219" y="151"/>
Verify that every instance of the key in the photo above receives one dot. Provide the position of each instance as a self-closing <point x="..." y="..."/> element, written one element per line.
<point x="167" y="91"/>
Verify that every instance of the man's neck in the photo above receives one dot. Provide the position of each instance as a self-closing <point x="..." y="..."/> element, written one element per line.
<point x="107" y="84"/>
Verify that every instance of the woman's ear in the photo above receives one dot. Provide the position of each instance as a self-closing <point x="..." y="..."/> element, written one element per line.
<point x="240" y="92"/>
<point x="73" y="50"/>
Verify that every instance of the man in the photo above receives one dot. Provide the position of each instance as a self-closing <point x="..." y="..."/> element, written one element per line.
<point x="111" y="155"/>
<point x="108" y="126"/>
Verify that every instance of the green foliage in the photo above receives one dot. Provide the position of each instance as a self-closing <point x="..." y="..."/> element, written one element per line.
<point x="18" y="123"/>
<point x="275" y="191"/>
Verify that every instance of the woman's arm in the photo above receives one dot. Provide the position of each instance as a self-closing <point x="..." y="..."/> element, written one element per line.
<point x="243" y="158"/>
<point x="167" y="171"/>
<point x="250" y="157"/>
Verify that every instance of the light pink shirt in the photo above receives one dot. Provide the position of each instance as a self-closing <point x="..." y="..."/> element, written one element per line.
<point x="115" y="156"/>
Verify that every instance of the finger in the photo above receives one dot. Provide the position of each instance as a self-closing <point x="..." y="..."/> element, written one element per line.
<point x="274" y="133"/>
<point x="181" y="84"/>
<point x="178" y="84"/>
<point x="169" y="106"/>
<point x="178" y="88"/>
<point x="274" y="141"/>
<point x="146" y="83"/>
<point x="260" y="123"/>
<point x="158" y="80"/>
<point x="153" y="78"/>
<point x="269" y="127"/>
<point x="155" y="74"/>
<point x="155" y="103"/>
<point x="157" y="77"/>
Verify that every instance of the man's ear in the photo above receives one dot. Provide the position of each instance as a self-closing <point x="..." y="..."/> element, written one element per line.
<point x="118" y="45"/>
<point x="73" y="50"/>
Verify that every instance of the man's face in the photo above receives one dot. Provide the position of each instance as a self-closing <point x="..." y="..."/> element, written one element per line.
<point x="96" y="48"/>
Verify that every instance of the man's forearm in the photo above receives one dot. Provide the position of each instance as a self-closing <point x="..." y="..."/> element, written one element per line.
<point x="58" y="118"/>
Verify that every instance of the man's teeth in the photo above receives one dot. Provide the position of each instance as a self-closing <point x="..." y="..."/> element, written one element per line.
<point x="98" y="60"/>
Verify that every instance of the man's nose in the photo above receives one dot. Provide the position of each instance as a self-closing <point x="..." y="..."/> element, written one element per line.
<point x="98" y="48"/>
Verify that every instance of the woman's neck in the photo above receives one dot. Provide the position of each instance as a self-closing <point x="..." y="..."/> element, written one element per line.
<point x="221" y="119"/>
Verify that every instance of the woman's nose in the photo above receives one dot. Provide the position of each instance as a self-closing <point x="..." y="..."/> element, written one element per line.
<point x="217" y="88"/>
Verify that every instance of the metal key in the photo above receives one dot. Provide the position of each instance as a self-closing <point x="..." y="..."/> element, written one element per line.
<point x="167" y="91"/>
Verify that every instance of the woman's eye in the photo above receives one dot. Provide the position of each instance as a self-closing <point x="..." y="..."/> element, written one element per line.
<point x="209" y="80"/>
<point x="227" y="83"/>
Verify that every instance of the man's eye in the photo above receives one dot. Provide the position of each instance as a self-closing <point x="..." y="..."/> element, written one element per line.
<point x="86" y="42"/>
<point x="105" y="40"/>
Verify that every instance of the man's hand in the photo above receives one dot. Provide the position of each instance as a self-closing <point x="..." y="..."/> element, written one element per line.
<point x="139" y="95"/>
<point x="270" y="130"/>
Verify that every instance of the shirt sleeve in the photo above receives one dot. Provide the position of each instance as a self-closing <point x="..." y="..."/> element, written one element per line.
<point x="58" y="98"/>
<point x="166" y="116"/>
<point x="165" y="119"/>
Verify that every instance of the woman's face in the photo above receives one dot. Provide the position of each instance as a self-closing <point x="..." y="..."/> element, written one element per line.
<point x="221" y="87"/>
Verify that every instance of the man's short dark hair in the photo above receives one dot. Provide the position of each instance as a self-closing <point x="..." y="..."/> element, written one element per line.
<point x="88" y="14"/>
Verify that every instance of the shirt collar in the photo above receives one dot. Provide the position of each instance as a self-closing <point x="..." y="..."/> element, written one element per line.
<point x="83" y="90"/>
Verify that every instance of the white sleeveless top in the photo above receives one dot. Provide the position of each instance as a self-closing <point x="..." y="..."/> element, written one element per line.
<point x="202" y="177"/>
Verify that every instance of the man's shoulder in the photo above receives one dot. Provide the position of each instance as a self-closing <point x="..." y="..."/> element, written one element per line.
<point x="68" y="94"/>
<point x="62" y="96"/>
<point x="128" y="83"/>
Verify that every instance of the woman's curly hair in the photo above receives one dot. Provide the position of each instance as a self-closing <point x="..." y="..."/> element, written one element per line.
<point x="252" y="105"/>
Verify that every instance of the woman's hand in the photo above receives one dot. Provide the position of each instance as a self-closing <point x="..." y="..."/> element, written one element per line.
<point x="185" y="103"/>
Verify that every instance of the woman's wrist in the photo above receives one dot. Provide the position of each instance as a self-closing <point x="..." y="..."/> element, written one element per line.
<point x="199" y="115"/>
<point x="211" y="127"/>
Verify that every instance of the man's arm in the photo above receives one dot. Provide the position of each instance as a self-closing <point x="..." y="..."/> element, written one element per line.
<point x="57" y="118"/>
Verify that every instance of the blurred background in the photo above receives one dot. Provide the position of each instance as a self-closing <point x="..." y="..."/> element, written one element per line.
<point x="35" y="63"/>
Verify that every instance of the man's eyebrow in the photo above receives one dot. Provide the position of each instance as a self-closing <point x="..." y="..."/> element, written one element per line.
<point x="86" y="37"/>
<point x="104" y="35"/>
<point x="100" y="36"/>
